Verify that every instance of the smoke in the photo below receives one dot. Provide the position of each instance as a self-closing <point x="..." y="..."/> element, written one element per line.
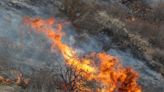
<point x="20" y="47"/>
<point x="154" y="3"/>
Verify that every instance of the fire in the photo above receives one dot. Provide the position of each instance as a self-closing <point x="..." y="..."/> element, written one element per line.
<point x="109" y="73"/>
<point x="19" y="81"/>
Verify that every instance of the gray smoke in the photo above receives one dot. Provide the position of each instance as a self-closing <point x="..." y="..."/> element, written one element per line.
<point x="24" y="48"/>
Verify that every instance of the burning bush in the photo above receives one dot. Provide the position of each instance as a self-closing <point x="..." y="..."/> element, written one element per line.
<point x="102" y="68"/>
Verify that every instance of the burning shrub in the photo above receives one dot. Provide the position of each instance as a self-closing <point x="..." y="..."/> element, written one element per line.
<point x="111" y="75"/>
<point x="61" y="78"/>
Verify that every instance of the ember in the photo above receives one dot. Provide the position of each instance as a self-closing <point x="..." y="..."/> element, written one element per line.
<point x="19" y="81"/>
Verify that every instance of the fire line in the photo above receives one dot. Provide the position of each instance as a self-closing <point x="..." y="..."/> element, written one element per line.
<point x="111" y="75"/>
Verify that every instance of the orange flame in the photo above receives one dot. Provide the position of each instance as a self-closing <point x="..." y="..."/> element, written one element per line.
<point x="112" y="76"/>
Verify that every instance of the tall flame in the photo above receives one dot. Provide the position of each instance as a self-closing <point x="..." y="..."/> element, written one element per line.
<point x="112" y="76"/>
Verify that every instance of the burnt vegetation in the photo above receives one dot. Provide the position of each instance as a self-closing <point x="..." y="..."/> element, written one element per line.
<point x="61" y="78"/>
<point x="139" y="18"/>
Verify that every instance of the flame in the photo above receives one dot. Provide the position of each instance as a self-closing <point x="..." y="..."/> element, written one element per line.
<point x="111" y="75"/>
<point x="19" y="81"/>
